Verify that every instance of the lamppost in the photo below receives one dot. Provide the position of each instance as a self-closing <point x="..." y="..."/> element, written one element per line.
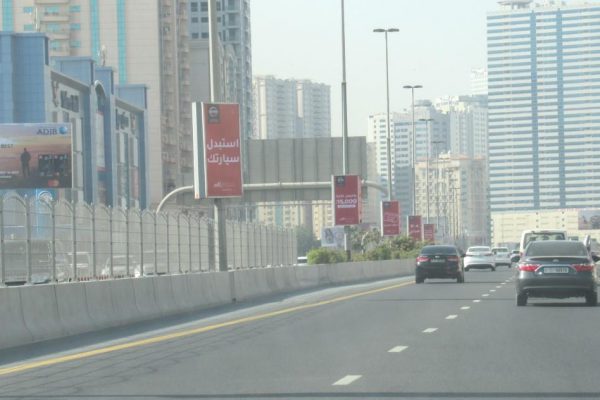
<point x="387" y="91"/>
<point x="414" y="141"/>
<point x="427" y="121"/>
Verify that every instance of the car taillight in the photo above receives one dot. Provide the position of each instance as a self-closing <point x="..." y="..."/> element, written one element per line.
<point x="489" y="254"/>
<point x="528" y="267"/>
<point x="452" y="258"/>
<point x="583" y="267"/>
<point x="422" y="259"/>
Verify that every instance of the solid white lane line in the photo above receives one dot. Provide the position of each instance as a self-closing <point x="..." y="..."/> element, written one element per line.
<point x="485" y="294"/>
<point x="348" y="379"/>
<point x="430" y="330"/>
<point x="492" y="290"/>
<point x="453" y="316"/>
<point x="476" y="301"/>
<point x="465" y="307"/>
<point x="397" y="349"/>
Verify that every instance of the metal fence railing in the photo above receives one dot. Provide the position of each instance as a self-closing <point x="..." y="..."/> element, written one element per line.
<point x="43" y="241"/>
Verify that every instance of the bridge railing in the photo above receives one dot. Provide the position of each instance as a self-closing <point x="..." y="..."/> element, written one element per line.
<point x="43" y="242"/>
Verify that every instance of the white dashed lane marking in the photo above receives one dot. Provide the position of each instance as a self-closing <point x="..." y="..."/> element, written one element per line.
<point x="465" y="308"/>
<point x="430" y="330"/>
<point x="485" y="295"/>
<point x="498" y="287"/>
<point x="348" y="379"/>
<point x="397" y="349"/>
<point x="492" y="290"/>
<point x="476" y="301"/>
<point x="453" y="316"/>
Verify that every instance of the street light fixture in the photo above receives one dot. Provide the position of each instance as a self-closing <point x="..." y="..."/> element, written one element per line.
<point x="387" y="91"/>
<point x="414" y="140"/>
<point x="427" y="121"/>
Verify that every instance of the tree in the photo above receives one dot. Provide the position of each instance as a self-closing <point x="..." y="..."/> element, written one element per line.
<point x="306" y="240"/>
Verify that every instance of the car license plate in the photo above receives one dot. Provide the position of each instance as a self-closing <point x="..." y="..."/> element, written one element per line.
<point x="438" y="260"/>
<point x="556" y="270"/>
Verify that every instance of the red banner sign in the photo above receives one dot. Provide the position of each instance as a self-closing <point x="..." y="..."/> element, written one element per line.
<point x="429" y="233"/>
<point x="346" y="198"/>
<point x="390" y="218"/>
<point x="222" y="150"/>
<point x="414" y="227"/>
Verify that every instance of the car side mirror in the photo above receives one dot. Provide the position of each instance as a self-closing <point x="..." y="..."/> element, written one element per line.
<point x="515" y="258"/>
<point x="595" y="257"/>
<point x="463" y="255"/>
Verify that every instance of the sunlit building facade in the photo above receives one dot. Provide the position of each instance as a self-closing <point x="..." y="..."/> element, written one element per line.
<point x="544" y="97"/>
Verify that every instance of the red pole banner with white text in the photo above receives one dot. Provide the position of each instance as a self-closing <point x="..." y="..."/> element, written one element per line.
<point x="222" y="150"/>
<point x="429" y="233"/>
<point x="390" y="218"/>
<point x="414" y="227"/>
<point x="346" y="199"/>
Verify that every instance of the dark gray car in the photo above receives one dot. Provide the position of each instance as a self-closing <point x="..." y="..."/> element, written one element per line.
<point x="557" y="269"/>
<point x="440" y="261"/>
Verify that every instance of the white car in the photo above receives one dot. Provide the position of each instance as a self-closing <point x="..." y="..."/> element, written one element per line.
<point x="502" y="256"/>
<point x="480" y="257"/>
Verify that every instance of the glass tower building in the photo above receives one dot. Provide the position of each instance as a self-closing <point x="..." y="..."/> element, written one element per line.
<point x="544" y="105"/>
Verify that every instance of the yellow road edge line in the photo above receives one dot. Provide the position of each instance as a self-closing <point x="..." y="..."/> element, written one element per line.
<point x="188" y="332"/>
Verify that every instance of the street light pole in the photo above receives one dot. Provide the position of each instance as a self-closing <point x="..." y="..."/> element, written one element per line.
<point x="387" y="90"/>
<point x="345" y="161"/>
<point x="427" y="121"/>
<point x="414" y="151"/>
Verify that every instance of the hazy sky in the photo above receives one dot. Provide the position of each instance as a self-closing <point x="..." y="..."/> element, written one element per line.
<point x="438" y="44"/>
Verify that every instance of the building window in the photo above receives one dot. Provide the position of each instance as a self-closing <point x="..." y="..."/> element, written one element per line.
<point x="194" y="6"/>
<point x="28" y="10"/>
<point x="194" y="20"/>
<point x="75" y="9"/>
<point x="204" y="6"/>
<point x="204" y="35"/>
<point x="75" y="44"/>
<point x="52" y="10"/>
<point x="29" y="27"/>
<point x="204" y="19"/>
<point x="75" y="27"/>
<point x="194" y="35"/>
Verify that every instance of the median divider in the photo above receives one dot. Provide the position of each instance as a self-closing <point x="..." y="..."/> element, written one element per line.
<point x="42" y="312"/>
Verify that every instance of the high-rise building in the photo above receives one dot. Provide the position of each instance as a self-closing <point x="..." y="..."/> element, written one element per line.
<point x="479" y="82"/>
<point x="147" y="42"/>
<point x="233" y="26"/>
<point x="544" y="133"/>
<point x="468" y="117"/>
<point x="457" y="198"/>
<point x="289" y="108"/>
<point x="432" y="138"/>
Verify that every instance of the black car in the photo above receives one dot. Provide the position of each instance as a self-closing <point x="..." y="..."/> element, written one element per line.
<point x="557" y="269"/>
<point x="440" y="261"/>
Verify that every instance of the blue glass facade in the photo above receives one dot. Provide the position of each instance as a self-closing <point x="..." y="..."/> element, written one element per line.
<point x="544" y="102"/>
<point x="95" y="29"/>
<point x="122" y="41"/>
<point x="8" y="18"/>
<point x="78" y="91"/>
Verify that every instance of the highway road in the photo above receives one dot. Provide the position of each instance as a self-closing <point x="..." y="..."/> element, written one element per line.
<point x="391" y="339"/>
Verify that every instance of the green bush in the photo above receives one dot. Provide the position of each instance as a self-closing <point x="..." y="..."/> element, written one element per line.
<point x="324" y="255"/>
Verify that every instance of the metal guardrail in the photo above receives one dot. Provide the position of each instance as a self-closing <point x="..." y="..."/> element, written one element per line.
<point x="42" y="242"/>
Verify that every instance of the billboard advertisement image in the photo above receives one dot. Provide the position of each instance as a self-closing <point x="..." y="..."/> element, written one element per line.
<point x="414" y="227"/>
<point x="390" y="218"/>
<point x="220" y="155"/>
<point x="347" y="204"/>
<point x="429" y="233"/>
<point x="35" y="156"/>
<point x="333" y="236"/>
<point x="589" y="219"/>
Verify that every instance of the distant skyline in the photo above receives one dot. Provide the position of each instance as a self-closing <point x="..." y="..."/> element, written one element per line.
<point x="439" y="42"/>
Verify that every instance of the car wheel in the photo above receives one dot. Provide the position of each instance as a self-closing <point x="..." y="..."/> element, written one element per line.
<point x="521" y="299"/>
<point x="591" y="299"/>
<point x="493" y="268"/>
<point x="419" y="279"/>
<point x="467" y="269"/>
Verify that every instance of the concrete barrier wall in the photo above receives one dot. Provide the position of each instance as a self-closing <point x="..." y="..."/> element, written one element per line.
<point x="35" y="313"/>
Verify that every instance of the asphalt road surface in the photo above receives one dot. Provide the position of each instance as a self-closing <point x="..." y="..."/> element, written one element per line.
<point x="392" y="339"/>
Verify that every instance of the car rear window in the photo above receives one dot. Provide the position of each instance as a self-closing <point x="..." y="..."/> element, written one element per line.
<point x="543" y="236"/>
<point x="560" y="249"/>
<point x="478" y="249"/>
<point x="447" y="250"/>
